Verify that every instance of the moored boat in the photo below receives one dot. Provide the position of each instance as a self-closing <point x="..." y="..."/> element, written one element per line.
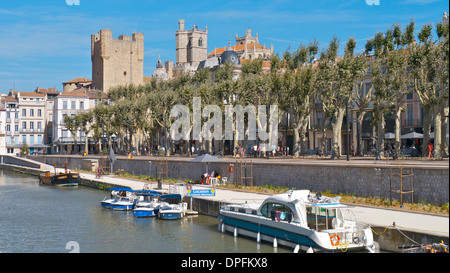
<point x="62" y="179"/>
<point x="172" y="211"/>
<point x="298" y="219"/>
<point x="147" y="205"/>
<point x="115" y="192"/>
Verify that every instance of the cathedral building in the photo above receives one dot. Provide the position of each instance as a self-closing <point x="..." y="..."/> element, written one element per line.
<point x="191" y="48"/>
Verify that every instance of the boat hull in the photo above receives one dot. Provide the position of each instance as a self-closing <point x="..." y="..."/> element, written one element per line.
<point x="61" y="180"/>
<point x="145" y="212"/>
<point x="286" y="234"/>
<point x="122" y="206"/>
<point x="170" y="215"/>
<point x="106" y="203"/>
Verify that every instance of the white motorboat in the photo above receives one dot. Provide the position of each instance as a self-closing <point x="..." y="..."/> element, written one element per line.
<point x="171" y="211"/>
<point x="114" y="196"/>
<point x="147" y="206"/>
<point x="298" y="219"/>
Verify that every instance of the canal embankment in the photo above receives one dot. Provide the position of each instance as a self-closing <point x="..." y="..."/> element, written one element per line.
<point x="359" y="177"/>
<point x="392" y="228"/>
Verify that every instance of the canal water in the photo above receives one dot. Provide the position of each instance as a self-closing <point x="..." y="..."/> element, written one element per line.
<point x="42" y="219"/>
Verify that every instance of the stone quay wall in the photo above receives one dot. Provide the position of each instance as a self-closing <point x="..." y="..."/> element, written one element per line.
<point x="430" y="184"/>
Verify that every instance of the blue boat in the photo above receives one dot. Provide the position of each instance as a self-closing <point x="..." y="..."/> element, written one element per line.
<point x="146" y="206"/>
<point x="115" y="193"/>
<point x="170" y="211"/>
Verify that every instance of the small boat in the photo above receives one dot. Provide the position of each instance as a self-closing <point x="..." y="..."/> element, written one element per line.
<point x="298" y="219"/>
<point x="145" y="206"/>
<point x="62" y="179"/>
<point x="115" y="192"/>
<point x="124" y="201"/>
<point x="172" y="211"/>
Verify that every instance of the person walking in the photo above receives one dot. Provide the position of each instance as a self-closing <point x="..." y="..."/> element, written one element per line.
<point x="430" y="149"/>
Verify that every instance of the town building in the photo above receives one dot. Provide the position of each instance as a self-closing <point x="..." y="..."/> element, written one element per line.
<point x="71" y="104"/>
<point x="77" y="83"/>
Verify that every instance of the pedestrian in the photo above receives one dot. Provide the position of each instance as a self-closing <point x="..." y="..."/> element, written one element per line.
<point x="287" y="150"/>
<point x="353" y="148"/>
<point x="192" y="150"/>
<point x="99" y="171"/>
<point x="430" y="149"/>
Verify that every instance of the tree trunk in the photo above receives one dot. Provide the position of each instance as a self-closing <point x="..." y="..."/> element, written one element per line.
<point x="296" y="139"/>
<point x="444" y="124"/>
<point x="427" y="116"/>
<point x="437" y="134"/>
<point x="360" y="141"/>
<point x="380" y="141"/>
<point x="397" y="128"/>
<point x="337" y="126"/>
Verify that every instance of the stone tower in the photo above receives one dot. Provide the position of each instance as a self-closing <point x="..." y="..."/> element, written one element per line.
<point x="116" y="62"/>
<point x="191" y="45"/>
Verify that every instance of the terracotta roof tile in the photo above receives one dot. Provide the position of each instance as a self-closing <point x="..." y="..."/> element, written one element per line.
<point x="237" y="48"/>
<point x="78" y="80"/>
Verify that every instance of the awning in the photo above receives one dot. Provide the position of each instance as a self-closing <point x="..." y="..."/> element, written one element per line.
<point x="411" y="136"/>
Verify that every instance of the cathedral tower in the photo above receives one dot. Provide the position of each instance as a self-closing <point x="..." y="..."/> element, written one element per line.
<point x="191" y="45"/>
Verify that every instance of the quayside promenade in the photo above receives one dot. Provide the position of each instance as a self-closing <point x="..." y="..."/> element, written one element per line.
<point x="392" y="228"/>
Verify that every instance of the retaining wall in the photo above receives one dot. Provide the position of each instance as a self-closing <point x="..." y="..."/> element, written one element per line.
<point x="431" y="185"/>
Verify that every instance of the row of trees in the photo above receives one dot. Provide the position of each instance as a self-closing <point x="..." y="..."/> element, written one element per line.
<point x="298" y="81"/>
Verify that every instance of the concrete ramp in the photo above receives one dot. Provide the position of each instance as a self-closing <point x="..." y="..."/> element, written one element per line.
<point x="24" y="162"/>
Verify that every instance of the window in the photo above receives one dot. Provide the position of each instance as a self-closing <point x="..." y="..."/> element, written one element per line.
<point x="8" y="115"/>
<point x="16" y="115"/>
<point x="24" y="139"/>
<point x="320" y="218"/>
<point x="200" y="42"/>
<point x="31" y="139"/>
<point x="39" y="139"/>
<point x="39" y="113"/>
<point x="124" y="73"/>
<point x="73" y="106"/>
<point x="24" y="125"/>
<point x="31" y="125"/>
<point x="31" y="112"/>
<point x="81" y="105"/>
<point x="277" y="212"/>
<point x="16" y="128"/>
<point x="24" y="112"/>
<point x="65" y="105"/>
<point x="39" y="125"/>
<point x="8" y="128"/>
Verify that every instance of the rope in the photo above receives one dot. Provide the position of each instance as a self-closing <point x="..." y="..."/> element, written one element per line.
<point x="393" y="225"/>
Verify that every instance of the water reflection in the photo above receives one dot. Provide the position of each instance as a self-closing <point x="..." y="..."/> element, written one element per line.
<point x="36" y="218"/>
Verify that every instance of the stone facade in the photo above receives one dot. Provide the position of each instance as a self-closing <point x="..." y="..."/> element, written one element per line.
<point x="117" y="62"/>
<point x="191" y="48"/>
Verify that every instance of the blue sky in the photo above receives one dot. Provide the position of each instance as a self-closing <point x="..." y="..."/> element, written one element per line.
<point x="46" y="42"/>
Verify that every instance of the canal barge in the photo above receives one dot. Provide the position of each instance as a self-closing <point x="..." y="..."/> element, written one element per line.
<point x="298" y="219"/>
<point x="63" y="179"/>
